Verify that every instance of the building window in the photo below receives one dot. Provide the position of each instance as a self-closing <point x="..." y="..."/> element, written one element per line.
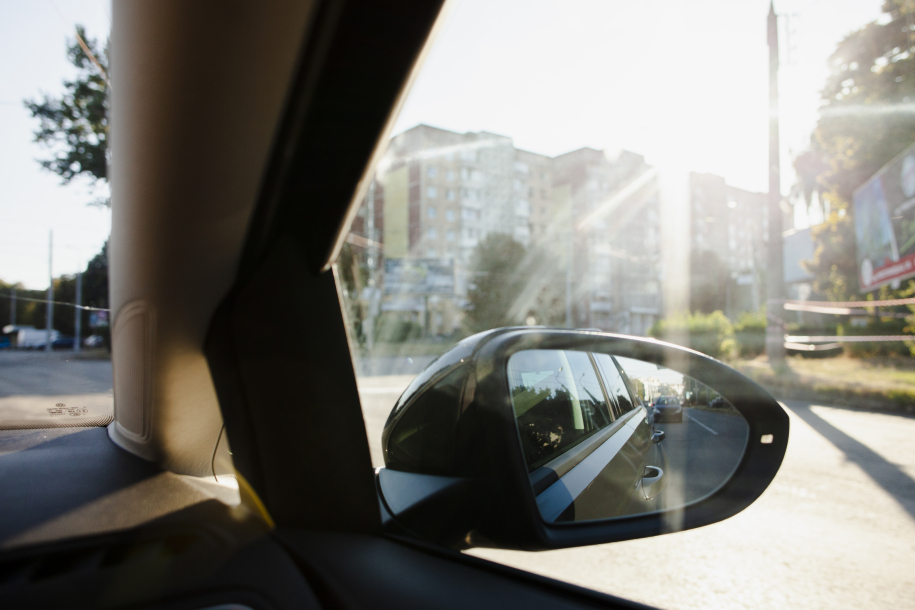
<point x="465" y="173"/>
<point x="449" y="235"/>
<point x="430" y="212"/>
<point x="431" y="192"/>
<point x="449" y="215"/>
<point x="430" y="233"/>
<point x="449" y="175"/>
<point x="431" y="253"/>
<point x="431" y="171"/>
<point x="449" y="194"/>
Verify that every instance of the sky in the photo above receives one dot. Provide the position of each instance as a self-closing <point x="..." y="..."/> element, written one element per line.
<point x="33" y="41"/>
<point x="675" y="81"/>
<point x="683" y="82"/>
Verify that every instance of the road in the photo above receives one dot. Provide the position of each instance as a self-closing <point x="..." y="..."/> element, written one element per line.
<point x="836" y="529"/>
<point x="701" y="453"/>
<point x="32" y="382"/>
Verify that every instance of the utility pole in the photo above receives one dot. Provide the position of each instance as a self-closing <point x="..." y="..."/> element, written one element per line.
<point x="49" y="314"/>
<point x="12" y="306"/>
<point x="775" y="340"/>
<point x="78" y="323"/>
<point x="569" y="259"/>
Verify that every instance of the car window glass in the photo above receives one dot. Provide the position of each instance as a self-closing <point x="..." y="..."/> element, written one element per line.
<point x="606" y="166"/>
<point x="557" y="400"/>
<point x="613" y="381"/>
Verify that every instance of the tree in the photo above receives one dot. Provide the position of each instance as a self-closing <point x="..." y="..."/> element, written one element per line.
<point x="708" y="280"/>
<point x="513" y="285"/>
<point x="74" y="127"/>
<point x="862" y="126"/>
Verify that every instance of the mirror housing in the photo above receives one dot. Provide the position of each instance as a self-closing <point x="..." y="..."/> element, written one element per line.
<point x="478" y="489"/>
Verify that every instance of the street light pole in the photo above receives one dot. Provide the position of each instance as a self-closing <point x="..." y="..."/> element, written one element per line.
<point x="49" y="313"/>
<point x="775" y="341"/>
<point x="78" y="322"/>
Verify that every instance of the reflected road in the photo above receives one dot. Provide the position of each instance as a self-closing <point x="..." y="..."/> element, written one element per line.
<point x="701" y="452"/>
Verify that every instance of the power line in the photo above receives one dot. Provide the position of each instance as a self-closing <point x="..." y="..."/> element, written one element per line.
<point x="85" y="307"/>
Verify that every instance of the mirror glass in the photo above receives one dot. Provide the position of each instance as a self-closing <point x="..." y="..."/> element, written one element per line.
<point x="606" y="436"/>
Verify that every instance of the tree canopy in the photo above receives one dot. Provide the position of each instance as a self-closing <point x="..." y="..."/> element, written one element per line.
<point x="866" y="119"/>
<point x="511" y="283"/>
<point x="74" y="127"/>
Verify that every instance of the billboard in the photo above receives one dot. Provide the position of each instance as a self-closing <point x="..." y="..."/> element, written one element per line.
<point x="884" y="208"/>
<point x="418" y="276"/>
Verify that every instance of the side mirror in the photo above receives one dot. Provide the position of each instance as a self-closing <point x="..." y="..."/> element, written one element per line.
<point x="540" y="439"/>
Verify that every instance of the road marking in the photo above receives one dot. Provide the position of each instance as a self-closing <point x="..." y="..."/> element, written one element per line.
<point x="701" y="424"/>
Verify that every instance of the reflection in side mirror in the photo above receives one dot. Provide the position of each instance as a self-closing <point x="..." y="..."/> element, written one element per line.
<point x="515" y="433"/>
<point x="591" y="427"/>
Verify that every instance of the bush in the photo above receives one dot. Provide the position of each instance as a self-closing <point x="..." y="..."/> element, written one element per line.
<point x="750" y="333"/>
<point x="394" y="329"/>
<point x="876" y="326"/>
<point x="710" y="333"/>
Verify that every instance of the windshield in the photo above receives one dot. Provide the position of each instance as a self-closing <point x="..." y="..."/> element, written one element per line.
<point x="709" y="173"/>
<point x="55" y="366"/>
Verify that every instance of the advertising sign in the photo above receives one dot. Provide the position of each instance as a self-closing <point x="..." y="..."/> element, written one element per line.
<point x="418" y="276"/>
<point x="884" y="208"/>
<point x="98" y="319"/>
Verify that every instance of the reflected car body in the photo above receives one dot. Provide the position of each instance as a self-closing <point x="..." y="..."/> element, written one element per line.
<point x="668" y="409"/>
<point x="610" y="470"/>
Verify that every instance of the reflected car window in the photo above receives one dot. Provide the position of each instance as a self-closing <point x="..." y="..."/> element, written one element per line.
<point x="616" y="386"/>
<point x="558" y="401"/>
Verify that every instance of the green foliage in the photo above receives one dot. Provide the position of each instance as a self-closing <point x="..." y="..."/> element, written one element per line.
<point x="708" y="278"/>
<point x="834" y="267"/>
<point x="75" y="126"/>
<point x="751" y="321"/>
<point x="32" y="313"/>
<point x="709" y="333"/>
<point x="352" y="270"/>
<point x="511" y="283"/>
<point x="860" y="129"/>
<point x="750" y="332"/>
<point x="393" y="328"/>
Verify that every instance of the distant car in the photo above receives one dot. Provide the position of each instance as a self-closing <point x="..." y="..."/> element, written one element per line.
<point x="93" y="341"/>
<point x="63" y="343"/>
<point x="668" y="408"/>
<point x="717" y="403"/>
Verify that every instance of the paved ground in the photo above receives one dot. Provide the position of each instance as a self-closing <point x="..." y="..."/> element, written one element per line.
<point x="836" y="529"/>
<point x="39" y="385"/>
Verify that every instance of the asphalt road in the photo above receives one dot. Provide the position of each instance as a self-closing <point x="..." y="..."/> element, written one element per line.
<point x="701" y="453"/>
<point x="836" y="529"/>
<point x="32" y="382"/>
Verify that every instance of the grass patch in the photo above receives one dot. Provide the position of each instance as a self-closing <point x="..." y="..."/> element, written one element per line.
<point x="872" y="383"/>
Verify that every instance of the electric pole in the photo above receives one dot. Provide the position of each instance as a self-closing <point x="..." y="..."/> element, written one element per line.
<point x="775" y="340"/>
<point x="12" y="306"/>
<point x="49" y="314"/>
<point x="77" y="324"/>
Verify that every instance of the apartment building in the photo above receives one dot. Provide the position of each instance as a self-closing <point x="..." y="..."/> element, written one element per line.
<point x="594" y="216"/>
<point x="729" y="237"/>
